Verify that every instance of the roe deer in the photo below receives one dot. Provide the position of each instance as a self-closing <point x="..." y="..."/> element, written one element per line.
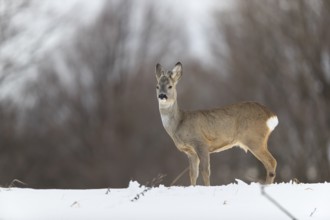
<point x="199" y="133"/>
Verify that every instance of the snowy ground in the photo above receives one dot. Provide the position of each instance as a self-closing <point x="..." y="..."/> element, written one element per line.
<point x="234" y="201"/>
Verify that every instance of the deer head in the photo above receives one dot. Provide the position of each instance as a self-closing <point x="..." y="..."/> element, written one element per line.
<point x="166" y="84"/>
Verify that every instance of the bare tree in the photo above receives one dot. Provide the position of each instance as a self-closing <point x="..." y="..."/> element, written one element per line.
<point x="93" y="120"/>
<point x="8" y="9"/>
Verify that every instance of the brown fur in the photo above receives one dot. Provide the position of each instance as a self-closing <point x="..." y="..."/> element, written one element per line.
<point x="199" y="133"/>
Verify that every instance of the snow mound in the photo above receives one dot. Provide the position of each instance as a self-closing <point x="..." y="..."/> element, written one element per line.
<point x="233" y="201"/>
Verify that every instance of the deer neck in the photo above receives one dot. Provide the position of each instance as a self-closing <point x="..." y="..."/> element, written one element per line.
<point x="171" y="116"/>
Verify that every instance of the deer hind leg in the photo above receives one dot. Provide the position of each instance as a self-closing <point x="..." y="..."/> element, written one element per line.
<point x="258" y="147"/>
<point x="193" y="168"/>
<point x="268" y="161"/>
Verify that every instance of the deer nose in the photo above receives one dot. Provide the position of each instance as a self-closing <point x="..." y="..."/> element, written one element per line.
<point x="162" y="96"/>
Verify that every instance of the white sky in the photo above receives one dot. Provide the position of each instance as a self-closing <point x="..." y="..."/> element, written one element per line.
<point x="36" y="21"/>
<point x="198" y="15"/>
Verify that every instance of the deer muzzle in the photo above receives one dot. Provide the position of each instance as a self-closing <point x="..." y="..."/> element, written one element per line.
<point x="162" y="97"/>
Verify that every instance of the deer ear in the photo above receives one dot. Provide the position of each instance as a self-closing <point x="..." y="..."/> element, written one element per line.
<point x="159" y="71"/>
<point x="177" y="72"/>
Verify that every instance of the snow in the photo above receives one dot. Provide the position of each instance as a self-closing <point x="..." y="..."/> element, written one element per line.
<point x="233" y="201"/>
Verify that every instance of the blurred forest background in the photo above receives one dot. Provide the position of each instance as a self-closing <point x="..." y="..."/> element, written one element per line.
<point x="82" y="112"/>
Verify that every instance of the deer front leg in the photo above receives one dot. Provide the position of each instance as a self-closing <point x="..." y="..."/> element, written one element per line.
<point x="205" y="166"/>
<point x="193" y="168"/>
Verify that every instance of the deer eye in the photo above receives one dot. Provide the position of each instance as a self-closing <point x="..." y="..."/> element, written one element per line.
<point x="170" y="87"/>
<point x="157" y="87"/>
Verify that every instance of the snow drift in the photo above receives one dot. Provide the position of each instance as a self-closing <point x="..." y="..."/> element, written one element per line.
<point x="233" y="201"/>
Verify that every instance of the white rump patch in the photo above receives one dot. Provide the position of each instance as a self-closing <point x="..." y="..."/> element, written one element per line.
<point x="272" y="122"/>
